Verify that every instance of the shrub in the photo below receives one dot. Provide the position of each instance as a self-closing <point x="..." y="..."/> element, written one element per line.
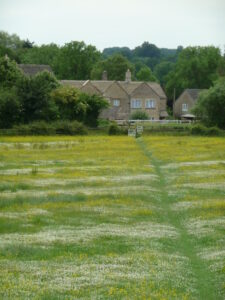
<point x="139" y="115"/>
<point x="214" y="131"/>
<point x="35" y="128"/>
<point x="43" y="128"/>
<point x="71" y="128"/>
<point x="199" y="129"/>
<point x="95" y="104"/>
<point x="114" y="129"/>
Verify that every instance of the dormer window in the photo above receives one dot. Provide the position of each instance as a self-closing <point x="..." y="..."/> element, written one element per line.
<point x="184" y="107"/>
<point x="116" y="102"/>
<point x="149" y="103"/>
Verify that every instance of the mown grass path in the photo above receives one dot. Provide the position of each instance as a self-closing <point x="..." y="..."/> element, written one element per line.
<point x="185" y="244"/>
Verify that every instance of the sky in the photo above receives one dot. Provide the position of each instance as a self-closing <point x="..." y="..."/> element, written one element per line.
<point x="108" y="23"/>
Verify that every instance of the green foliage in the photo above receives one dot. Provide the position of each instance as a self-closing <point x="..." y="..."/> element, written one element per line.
<point x="114" y="129"/>
<point x="9" y="52"/>
<point x="10" y="41"/>
<point x="35" y="97"/>
<point x="162" y="70"/>
<point x="147" y="50"/>
<point x="116" y="67"/>
<point x="139" y="115"/>
<point x="75" y="105"/>
<point x="71" y="128"/>
<point x="10" y="108"/>
<point x="197" y="67"/>
<point x="70" y="105"/>
<point x="45" y="55"/>
<point x="9" y="73"/>
<point x="145" y="74"/>
<point x="200" y="129"/>
<point x="125" y="51"/>
<point x="210" y="107"/>
<point x="75" y="61"/>
<point x="44" y="128"/>
<point x="95" y="104"/>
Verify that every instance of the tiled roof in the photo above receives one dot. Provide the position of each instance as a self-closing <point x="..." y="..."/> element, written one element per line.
<point x="75" y="83"/>
<point x="129" y="87"/>
<point x="32" y="70"/>
<point x="194" y="93"/>
<point x="157" y="88"/>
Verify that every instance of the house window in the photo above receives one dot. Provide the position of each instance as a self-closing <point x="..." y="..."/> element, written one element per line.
<point x="149" y="103"/>
<point x="116" y="102"/>
<point x="184" y="107"/>
<point x="135" y="103"/>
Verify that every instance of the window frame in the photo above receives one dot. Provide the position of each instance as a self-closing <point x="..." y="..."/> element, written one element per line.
<point x="184" y="106"/>
<point x="114" y="101"/>
<point x="152" y="103"/>
<point x="134" y="103"/>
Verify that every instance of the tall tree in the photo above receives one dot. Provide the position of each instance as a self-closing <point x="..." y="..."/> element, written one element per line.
<point x="10" y="41"/>
<point x="75" y="61"/>
<point x="35" y="97"/>
<point x="145" y="74"/>
<point x="210" y="107"/>
<point x="162" y="70"/>
<point x="147" y="50"/>
<point x="116" y="67"/>
<point x="197" y="67"/>
<point x="10" y="107"/>
<point x="9" y="73"/>
<point x="44" y="55"/>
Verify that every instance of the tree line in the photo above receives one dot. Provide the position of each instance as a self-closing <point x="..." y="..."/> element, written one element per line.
<point x="191" y="67"/>
<point x="175" y="69"/>
<point x="24" y="99"/>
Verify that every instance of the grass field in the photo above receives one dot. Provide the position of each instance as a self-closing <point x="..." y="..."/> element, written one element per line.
<point x="103" y="217"/>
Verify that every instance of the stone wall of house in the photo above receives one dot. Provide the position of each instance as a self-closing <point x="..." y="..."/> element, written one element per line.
<point x="184" y="98"/>
<point x="115" y="94"/>
<point x="144" y="93"/>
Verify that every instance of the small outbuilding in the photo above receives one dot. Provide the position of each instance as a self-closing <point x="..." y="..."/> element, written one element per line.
<point x="184" y="104"/>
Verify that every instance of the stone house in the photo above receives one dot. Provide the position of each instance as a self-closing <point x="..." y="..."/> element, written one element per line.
<point x="185" y="102"/>
<point x="126" y="97"/>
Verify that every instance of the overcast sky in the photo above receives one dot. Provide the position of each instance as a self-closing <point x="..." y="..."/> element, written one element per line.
<point x="107" y="23"/>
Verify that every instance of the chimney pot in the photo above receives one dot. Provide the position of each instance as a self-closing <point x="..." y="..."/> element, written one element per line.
<point x="128" y="76"/>
<point x="104" y="75"/>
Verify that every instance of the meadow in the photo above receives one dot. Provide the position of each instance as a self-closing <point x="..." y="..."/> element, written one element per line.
<point x="101" y="217"/>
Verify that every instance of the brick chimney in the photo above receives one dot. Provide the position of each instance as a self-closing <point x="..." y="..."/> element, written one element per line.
<point x="128" y="76"/>
<point x="104" y="75"/>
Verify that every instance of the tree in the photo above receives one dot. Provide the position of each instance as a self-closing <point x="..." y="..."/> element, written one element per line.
<point x="75" y="105"/>
<point x="44" y="55"/>
<point x="147" y="50"/>
<point x="28" y="44"/>
<point x="95" y="104"/>
<point x="125" y="51"/>
<point x="9" y="73"/>
<point x="35" y="97"/>
<point x="70" y="105"/>
<point x="10" y="41"/>
<point x="76" y="60"/>
<point x="210" y="107"/>
<point x="116" y="67"/>
<point x="145" y="74"/>
<point x="197" y="67"/>
<point x="162" y="70"/>
<point x="10" y="107"/>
